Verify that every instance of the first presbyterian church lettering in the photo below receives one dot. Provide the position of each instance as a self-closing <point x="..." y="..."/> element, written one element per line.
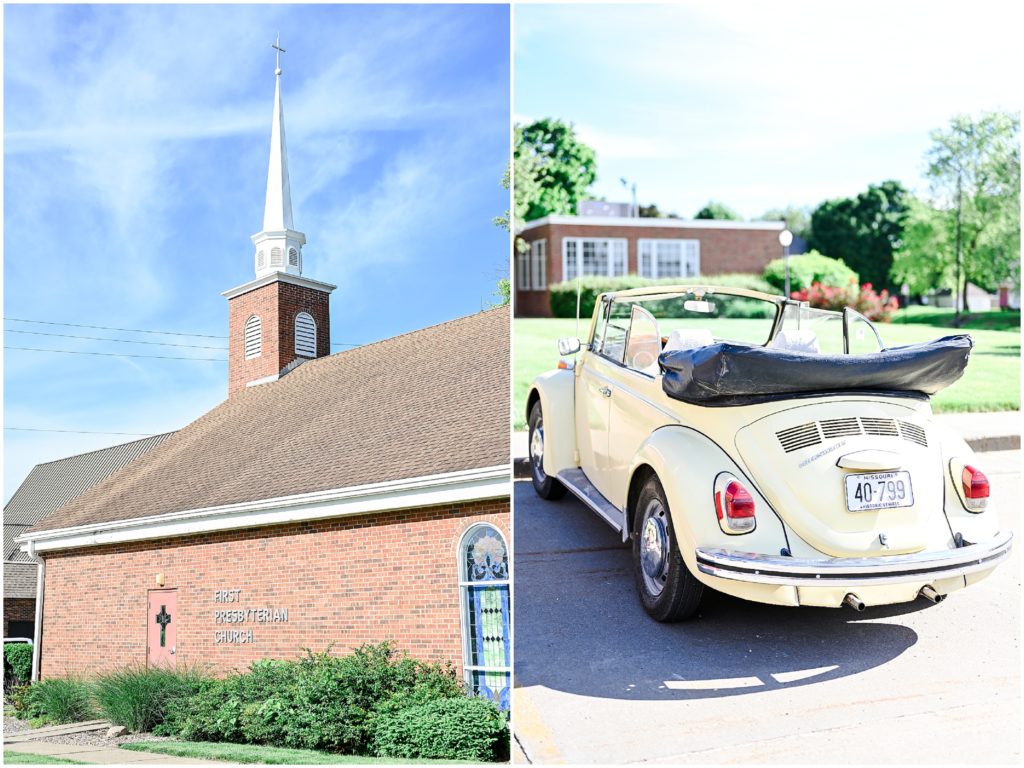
<point x="242" y="616"/>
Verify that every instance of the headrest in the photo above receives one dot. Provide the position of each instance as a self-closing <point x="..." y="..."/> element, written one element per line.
<point x="689" y="338"/>
<point x="797" y="340"/>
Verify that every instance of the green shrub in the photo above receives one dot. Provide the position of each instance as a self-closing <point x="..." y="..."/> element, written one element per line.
<point x="807" y="269"/>
<point x="317" y="702"/>
<point x="61" y="700"/>
<point x="18" y="696"/>
<point x="137" y="697"/>
<point x="444" y="729"/>
<point x="19" y="656"/>
<point x="563" y="295"/>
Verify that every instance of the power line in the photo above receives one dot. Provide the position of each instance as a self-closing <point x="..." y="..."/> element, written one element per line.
<point x="109" y="328"/>
<point x="82" y="432"/>
<point x="140" y="330"/>
<point x="118" y="354"/>
<point x="118" y="341"/>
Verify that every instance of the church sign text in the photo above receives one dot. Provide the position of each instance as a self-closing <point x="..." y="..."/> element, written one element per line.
<point x="263" y="615"/>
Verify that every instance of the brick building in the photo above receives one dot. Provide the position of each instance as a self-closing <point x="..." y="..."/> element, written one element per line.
<point x="656" y="248"/>
<point x="331" y="499"/>
<point x="48" y="487"/>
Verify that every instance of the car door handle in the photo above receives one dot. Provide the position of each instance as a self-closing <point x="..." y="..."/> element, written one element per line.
<point x="606" y="391"/>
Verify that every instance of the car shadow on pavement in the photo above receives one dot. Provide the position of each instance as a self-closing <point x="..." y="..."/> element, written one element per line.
<point x="580" y="627"/>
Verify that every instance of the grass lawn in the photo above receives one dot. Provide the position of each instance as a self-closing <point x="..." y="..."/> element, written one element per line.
<point x="991" y="382"/>
<point x="988" y="321"/>
<point x="24" y="758"/>
<point x="257" y="753"/>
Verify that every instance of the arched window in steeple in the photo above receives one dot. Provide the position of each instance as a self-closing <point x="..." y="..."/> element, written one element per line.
<point x="253" y="337"/>
<point x="483" y="577"/>
<point x="305" y="335"/>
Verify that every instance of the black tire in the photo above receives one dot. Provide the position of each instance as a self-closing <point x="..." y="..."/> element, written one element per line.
<point x="546" y="487"/>
<point x="668" y="591"/>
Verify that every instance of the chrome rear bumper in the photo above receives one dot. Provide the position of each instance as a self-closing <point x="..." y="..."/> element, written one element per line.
<point x="922" y="567"/>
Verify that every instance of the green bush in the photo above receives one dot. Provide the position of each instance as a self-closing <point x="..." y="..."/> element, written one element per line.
<point x="60" y="700"/>
<point x="18" y="696"/>
<point x="318" y="702"/>
<point x="19" y="656"/>
<point x="138" y="698"/>
<point x="807" y="269"/>
<point x="444" y="729"/>
<point x="563" y="295"/>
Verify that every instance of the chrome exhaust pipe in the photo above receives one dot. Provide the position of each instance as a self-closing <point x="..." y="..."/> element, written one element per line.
<point x="930" y="594"/>
<point x="852" y="601"/>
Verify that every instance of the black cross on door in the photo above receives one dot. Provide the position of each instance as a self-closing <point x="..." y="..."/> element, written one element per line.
<point x="163" y="619"/>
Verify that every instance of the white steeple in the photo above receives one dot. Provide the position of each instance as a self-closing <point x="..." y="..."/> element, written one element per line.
<point x="278" y="245"/>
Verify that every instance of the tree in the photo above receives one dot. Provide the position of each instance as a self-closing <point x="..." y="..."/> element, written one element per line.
<point x="974" y="170"/>
<point x="715" y="210"/>
<point x="504" y="292"/>
<point x="556" y="167"/>
<point x="798" y="220"/>
<point x="863" y="231"/>
<point x="653" y="212"/>
<point x="926" y="258"/>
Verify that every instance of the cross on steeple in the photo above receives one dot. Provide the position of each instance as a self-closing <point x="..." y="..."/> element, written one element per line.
<point x="280" y="50"/>
<point x="163" y="619"/>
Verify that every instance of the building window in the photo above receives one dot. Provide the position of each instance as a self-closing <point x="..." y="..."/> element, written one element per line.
<point x="253" y="337"/>
<point x="539" y="265"/>
<point x="275" y="257"/>
<point x="593" y="256"/>
<point x="483" y="572"/>
<point x="293" y="257"/>
<point x="305" y="335"/>
<point x="522" y="271"/>
<point x="668" y="258"/>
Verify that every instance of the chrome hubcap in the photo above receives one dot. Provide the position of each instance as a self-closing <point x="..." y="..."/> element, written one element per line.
<point x="537" y="450"/>
<point x="654" y="547"/>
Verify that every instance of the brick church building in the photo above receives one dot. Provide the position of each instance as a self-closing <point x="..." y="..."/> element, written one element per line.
<point x="331" y="499"/>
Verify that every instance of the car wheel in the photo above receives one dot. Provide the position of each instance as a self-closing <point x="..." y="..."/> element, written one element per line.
<point x="546" y="487"/>
<point x="668" y="591"/>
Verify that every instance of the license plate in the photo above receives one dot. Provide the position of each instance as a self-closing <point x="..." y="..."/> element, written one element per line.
<point x="879" y="490"/>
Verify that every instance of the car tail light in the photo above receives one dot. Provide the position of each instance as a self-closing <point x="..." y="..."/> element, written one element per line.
<point x="734" y="505"/>
<point x="975" y="488"/>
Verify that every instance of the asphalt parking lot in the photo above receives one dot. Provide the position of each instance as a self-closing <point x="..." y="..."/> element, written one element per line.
<point x="598" y="681"/>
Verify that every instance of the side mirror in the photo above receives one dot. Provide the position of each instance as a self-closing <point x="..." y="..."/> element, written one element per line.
<point x="570" y="345"/>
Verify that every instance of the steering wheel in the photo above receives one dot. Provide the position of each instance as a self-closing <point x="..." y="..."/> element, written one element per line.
<point x="642" y="359"/>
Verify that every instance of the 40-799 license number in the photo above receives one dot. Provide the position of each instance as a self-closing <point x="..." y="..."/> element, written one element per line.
<point x="879" y="490"/>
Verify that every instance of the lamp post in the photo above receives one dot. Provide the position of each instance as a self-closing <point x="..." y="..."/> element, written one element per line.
<point x="786" y="240"/>
<point x="634" y="210"/>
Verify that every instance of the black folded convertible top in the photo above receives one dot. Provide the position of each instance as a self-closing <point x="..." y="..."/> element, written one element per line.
<point x="734" y="374"/>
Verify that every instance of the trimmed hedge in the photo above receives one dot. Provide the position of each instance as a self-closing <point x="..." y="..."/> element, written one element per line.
<point x="563" y="295"/>
<point x="445" y="729"/>
<point x="19" y="656"/>
<point x="807" y="269"/>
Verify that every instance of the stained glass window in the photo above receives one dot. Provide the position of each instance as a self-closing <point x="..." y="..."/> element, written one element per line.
<point x="484" y="565"/>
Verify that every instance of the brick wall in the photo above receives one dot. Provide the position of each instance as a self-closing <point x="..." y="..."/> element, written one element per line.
<point x="391" y="576"/>
<point x="277" y="305"/>
<point x="721" y="251"/>
<point x="18" y="609"/>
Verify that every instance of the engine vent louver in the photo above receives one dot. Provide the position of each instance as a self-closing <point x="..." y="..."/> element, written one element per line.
<point x="840" y="428"/>
<point x="795" y="438"/>
<point x="806" y="435"/>
<point x="913" y="433"/>
<point x="879" y="427"/>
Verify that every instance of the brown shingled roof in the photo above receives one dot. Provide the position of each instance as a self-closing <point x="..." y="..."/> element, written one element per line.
<point x="424" y="403"/>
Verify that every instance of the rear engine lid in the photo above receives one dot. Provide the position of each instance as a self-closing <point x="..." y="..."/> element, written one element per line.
<point x="852" y="478"/>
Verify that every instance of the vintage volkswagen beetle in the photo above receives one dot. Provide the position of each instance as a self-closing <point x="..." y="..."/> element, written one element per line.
<point x="771" y="451"/>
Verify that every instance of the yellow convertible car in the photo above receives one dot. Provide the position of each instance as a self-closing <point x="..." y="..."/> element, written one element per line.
<point x="768" y="450"/>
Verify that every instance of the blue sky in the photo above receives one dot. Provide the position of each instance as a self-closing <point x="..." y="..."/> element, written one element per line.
<point x="135" y="159"/>
<point x="763" y="104"/>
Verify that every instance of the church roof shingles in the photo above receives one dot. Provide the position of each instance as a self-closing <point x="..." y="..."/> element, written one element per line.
<point x="427" y="402"/>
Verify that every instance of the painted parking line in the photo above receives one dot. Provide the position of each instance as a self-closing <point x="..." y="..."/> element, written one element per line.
<point x="536" y="739"/>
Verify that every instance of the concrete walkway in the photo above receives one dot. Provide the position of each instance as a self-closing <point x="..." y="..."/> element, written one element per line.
<point x="103" y="755"/>
<point x="994" y="431"/>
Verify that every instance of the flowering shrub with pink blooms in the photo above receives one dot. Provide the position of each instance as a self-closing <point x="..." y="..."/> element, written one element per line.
<point x="874" y="306"/>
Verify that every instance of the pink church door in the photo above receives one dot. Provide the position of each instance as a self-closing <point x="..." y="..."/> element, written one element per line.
<point x="163" y="627"/>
